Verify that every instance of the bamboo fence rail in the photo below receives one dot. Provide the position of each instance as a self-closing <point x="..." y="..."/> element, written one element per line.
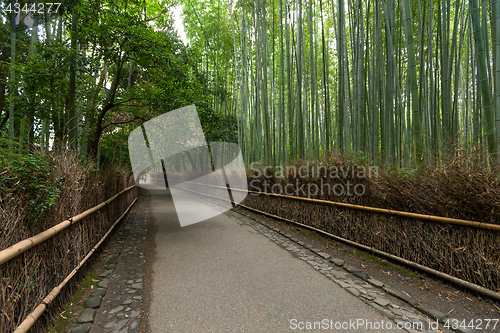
<point x="20" y="247"/>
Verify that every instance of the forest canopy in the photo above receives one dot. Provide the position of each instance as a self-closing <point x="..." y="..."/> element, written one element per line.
<point x="85" y="75"/>
<point x="398" y="82"/>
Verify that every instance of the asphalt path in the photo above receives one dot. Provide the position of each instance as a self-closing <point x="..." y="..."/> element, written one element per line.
<point x="221" y="275"/>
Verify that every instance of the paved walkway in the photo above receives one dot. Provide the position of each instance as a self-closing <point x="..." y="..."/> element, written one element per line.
<point x="234" y="274"/>
<point x="222" y="275"/>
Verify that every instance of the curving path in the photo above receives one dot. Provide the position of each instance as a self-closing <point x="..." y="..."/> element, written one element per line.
<point x="222" y="275"/>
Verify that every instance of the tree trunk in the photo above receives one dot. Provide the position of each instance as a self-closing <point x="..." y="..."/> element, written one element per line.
<point x="483" y="84"/>
<point x="412" y="75"/>
<point x="31" y="112"/>
<point x="72" y="123"/>
<point x="12" y="76"/>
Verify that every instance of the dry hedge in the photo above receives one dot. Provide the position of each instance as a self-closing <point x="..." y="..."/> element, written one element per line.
<point x="29" y="277"/>
<point x="453" y="190"/>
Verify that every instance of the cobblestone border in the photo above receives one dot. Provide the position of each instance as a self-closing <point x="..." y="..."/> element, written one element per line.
<point x="115" y="306"/>
<point x="397" y="305"/>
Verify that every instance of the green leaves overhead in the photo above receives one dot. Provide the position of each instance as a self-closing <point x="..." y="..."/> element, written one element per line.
<point x="128" y="66"/>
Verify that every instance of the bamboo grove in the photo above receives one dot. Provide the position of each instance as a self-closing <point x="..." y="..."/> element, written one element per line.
<point x="402" y="82"/>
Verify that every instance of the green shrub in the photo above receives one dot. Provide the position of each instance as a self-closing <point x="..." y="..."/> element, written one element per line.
<point x="31" y="177"/>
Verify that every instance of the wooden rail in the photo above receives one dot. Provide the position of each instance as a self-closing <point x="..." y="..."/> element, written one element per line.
<point x="18" y="248"/>
<point x="30" y="320"/>
<point x="440" y="219"/>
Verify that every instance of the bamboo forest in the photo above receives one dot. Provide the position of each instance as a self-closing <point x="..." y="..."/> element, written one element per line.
<point x="402" y="82"/>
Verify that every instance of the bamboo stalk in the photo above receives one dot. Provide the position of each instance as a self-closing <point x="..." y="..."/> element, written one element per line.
<point x="20" y="247"/>
<point x="483" y="83"/>
<point x="39" y="310"/>
<point x="440" y="219"/>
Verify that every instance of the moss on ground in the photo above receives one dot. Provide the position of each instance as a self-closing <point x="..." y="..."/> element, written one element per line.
<point x="67" y="318"/>
<point x="382" y="262"/>
<point x="305" y="232"/>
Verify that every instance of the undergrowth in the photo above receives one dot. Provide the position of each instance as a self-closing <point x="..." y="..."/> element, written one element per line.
<point x="32" y="176"/>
